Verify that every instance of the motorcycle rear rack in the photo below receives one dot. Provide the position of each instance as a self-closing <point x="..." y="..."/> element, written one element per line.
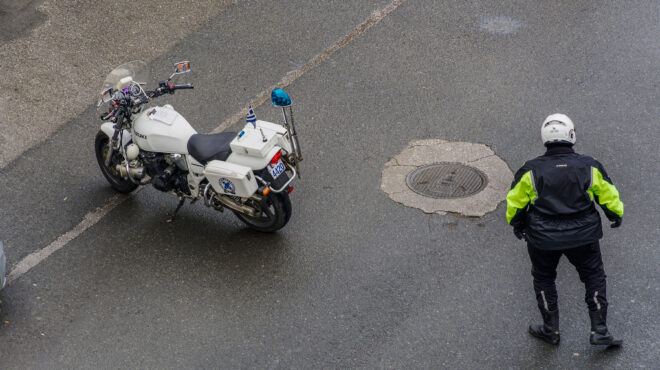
<point x="293" y="176"/>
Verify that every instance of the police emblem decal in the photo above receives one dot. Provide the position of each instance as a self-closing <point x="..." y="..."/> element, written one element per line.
<point x="227" y="186"/>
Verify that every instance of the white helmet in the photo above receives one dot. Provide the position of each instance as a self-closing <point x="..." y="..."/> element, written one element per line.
<point x="558" y="128"/>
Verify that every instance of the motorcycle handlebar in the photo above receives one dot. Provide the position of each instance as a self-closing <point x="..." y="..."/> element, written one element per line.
<point x="169" y="89"/>
<point x="184" y="86"/>
<point x="112" y="114"/>
<point x="107" y="116"/>
<point x="118" y="115"/>
<point x="162" y="90"/>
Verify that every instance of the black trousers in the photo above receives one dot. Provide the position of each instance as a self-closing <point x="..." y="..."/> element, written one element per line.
<point x="589" y="265"/>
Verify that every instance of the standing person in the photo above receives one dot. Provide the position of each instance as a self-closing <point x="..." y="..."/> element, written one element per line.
<point x="551" y="206"/>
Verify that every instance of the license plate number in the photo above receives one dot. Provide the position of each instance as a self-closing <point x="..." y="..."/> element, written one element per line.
<point x="276" y="169"/>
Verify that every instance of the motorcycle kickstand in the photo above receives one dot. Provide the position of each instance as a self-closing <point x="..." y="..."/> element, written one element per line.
<point x="178" y="207"/>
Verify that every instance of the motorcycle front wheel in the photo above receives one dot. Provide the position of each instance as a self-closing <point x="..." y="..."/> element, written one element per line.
<point x="275" y="212"/>
<point x="101" y="147"/>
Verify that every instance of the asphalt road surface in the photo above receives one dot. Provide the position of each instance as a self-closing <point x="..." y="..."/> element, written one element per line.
<point x="354" y="280"/>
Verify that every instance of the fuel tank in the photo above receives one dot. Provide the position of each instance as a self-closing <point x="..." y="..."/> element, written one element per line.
<point x="162" y="130"/>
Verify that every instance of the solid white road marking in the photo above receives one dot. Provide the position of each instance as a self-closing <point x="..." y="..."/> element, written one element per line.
<point x="92" y="218"/>
<point x="88" y="221"/>
<point x="293" y="75"/>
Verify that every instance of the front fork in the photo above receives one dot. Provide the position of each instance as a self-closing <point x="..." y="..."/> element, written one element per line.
<point x="118" y="137"/>
<point x="111" y="148"/>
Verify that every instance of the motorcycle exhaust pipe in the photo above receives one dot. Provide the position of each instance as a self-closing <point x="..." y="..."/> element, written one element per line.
<point x="218" y="201"/>
<point x="231" y="204"/>
<point x="135" y="173"/>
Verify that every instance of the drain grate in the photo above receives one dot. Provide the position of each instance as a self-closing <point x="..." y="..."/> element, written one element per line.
<point x="447" y="180"/>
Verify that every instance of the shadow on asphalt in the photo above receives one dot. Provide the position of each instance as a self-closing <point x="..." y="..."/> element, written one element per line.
<point x="18" y="18"/>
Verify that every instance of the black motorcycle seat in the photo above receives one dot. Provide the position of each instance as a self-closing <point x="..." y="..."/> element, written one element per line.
<point x="207" y="147"/>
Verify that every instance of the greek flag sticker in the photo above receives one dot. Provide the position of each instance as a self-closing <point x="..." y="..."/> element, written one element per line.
<point x="251" y="117"/>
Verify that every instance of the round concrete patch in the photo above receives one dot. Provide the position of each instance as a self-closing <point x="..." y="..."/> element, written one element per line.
<point x="427" y="152"/>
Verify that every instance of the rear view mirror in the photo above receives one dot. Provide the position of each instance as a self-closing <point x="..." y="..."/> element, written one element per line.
<point x="180" y="68"/>
<point x="280" y="98"/>
<point x="106" y="96"/>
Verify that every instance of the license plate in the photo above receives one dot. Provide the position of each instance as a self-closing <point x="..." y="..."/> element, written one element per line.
<point x="276" y="169"/>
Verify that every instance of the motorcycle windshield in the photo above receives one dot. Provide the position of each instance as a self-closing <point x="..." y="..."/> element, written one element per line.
<point x="137" y="70"/>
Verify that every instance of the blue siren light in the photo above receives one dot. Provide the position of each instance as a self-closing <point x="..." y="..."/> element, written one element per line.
<point x="280" y="98"/>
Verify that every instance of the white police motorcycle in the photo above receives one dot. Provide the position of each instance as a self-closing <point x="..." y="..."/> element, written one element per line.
<point x="249" y="173"/>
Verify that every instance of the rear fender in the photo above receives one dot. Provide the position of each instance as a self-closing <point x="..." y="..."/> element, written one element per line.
<point x="255" y="163"/>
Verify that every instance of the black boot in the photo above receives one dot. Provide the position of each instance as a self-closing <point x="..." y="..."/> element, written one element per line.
<point x="549" y="331"/>
<point x="599" y="333"/>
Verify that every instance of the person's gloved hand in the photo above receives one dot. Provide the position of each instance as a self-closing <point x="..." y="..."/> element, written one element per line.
<point x="520" y="234"/>
<point x="616" y="223"/>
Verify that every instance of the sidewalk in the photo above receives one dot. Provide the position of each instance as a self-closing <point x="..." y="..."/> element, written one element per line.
<point x="54" y="55"/>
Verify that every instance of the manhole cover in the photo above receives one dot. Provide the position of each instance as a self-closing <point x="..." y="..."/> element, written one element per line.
<point x="447" y="180"/>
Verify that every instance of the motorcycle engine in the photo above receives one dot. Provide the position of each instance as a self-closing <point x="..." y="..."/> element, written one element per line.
<point x="166" y="172"/>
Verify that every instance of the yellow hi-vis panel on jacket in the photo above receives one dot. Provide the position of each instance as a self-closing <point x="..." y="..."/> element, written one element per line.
<point x="606" y="193"/>
<point x="521" y="195"/>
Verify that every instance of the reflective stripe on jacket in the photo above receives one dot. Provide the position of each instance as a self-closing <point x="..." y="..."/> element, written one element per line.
<point x="553" y="196"/>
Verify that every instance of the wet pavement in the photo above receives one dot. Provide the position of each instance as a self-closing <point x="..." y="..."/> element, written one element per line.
<point x="355" y="280"/>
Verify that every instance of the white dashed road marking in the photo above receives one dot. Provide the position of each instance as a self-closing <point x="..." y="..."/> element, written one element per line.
<point x="293" y="75"/>
<point x="88" y="221"/>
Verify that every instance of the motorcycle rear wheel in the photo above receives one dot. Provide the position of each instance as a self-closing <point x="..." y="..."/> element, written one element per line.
<point x="273" y="217"/>
<point x="101" y="147"/>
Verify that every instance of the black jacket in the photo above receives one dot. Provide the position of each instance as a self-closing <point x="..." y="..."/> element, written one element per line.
<point x="552" y="198"/>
